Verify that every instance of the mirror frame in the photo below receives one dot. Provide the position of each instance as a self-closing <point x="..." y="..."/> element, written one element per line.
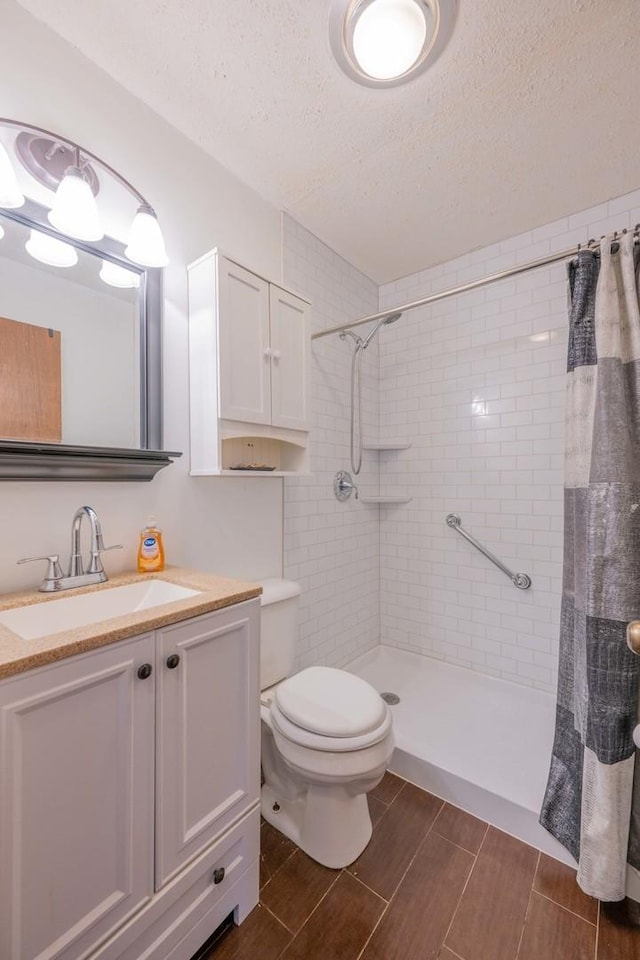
<point x="28" y="460"/>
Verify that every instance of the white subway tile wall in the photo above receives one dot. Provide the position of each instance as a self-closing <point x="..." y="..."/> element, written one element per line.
<point x="476" y="382"/>
<point x="333" y="548"/>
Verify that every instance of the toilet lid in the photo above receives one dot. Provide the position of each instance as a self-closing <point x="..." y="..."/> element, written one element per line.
<point x="330" y="702"/>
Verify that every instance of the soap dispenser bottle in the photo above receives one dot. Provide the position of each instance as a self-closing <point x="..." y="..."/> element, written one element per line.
<point x="150" y="548"/>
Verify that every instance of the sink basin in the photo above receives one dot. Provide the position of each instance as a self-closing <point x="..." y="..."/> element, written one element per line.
<point x="67" y="613"/>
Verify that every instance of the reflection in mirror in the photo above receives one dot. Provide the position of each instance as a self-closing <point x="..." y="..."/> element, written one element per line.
<point x="69" y="343"/>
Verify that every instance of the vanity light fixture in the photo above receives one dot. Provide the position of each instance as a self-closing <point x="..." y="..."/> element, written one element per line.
<point x="71" y="171"/>
<point x="50" y="250"/>
<point x="117" y="276"/>
<point x="146" y="244"/>
<point x="74" y="210"/>
<point x="383" y="43"/>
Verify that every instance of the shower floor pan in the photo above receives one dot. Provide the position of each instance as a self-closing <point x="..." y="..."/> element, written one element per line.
<point x="482" y="744"/>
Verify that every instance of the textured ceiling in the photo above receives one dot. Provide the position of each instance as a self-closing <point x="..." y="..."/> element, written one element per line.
<point x="530" y="114"/>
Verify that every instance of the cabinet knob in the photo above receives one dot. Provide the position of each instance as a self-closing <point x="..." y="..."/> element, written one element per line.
<point x="144" y="671"/>
<point x="267" y="352"/>
<point x="173" y="661"/>
<point x="276" y="354"/>
<point x="218" y="875"/>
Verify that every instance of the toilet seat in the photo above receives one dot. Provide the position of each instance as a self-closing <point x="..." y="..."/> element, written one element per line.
<point x="328" y="709"/>
<point x="318" y="741"/>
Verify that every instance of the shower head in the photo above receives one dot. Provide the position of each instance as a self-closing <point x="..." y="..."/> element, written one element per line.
<point x="381" y="323"/>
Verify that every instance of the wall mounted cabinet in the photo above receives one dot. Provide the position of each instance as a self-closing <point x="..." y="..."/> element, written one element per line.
<point x="249" y="357"/>
<point x="129" y="800"/>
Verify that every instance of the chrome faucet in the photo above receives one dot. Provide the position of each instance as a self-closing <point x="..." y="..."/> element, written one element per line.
<point x="54" y="579"/>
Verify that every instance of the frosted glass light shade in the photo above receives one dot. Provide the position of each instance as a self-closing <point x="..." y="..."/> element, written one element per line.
<point x="10" y="194"/>
<point x="146" y="243"/>
<point x="117" y="276"/>
<point x="74" y="210"/>
<point x="49" y="250"/>
<point x="388" y="37"/>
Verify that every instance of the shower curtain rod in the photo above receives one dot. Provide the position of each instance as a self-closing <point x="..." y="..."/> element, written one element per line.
<point x="472" y="285"/>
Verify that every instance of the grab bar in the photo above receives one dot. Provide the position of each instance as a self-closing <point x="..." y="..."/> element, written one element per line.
<point x="519" y="580"/>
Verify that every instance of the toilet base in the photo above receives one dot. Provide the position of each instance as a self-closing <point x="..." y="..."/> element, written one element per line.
<point x="329" y="824"/>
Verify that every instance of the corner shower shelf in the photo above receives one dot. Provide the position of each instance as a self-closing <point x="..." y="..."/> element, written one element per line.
<point x="386" y="444"/>
<point x="396" y="498"/>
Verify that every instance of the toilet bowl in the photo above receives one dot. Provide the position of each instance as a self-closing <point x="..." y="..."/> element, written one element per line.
<point x="326" y="740"/>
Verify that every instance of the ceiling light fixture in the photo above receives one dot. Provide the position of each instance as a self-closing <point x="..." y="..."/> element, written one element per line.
<point x="382" y="43"/>
<point x="71" y="171"/>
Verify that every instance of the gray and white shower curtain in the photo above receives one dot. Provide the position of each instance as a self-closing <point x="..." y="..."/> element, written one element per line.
<point x="589" y="804"/>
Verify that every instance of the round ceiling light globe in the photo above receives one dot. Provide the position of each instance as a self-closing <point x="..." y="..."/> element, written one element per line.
<point x="388" y="37"/>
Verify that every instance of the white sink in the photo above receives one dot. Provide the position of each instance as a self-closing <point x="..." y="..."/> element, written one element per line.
<point x="66" y="613"/>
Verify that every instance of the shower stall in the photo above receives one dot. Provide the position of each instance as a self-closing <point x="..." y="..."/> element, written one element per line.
<point x="470" y="422"/>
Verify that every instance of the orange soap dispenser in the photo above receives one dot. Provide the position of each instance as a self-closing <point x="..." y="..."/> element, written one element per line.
<point x="150" y="548"/>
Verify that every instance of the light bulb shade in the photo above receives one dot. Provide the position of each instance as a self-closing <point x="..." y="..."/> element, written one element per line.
<point x="74" y="210"/>
<point x="388" y="37"/>
<point x="117" y="276"/>
<point x="10" y="194"/>
<point x="49" y="250"/>
<point x="146" y="243"/>
<point x="1" y="232"/>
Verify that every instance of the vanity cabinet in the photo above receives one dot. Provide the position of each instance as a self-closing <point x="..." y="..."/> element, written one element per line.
<point x="129" y="797"/>
<point x="249" y="350"/>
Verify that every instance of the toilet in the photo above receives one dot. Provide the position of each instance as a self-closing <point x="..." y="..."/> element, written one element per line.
<point x="326" y="740"/>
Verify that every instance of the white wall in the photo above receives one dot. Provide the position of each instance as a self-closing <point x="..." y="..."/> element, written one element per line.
<point x="332" y="548"/>
<point x="477" y="383"/>
<point x="231" y="525"/>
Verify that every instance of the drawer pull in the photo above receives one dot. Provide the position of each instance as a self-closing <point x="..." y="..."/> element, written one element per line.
<point x="145" y="671"/>
<point x="173" y="661"/>
<point x="218" y="875"/>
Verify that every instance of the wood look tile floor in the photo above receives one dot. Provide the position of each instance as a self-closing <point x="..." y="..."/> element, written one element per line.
<point x="434" y="883"/>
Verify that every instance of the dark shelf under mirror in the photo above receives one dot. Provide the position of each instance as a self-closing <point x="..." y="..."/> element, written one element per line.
<point x="52" y="461"/>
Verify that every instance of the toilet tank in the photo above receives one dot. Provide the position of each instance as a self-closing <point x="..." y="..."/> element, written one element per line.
<point x="278" y="629"/>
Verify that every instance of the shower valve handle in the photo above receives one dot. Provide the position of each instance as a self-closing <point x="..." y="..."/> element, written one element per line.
<point x="633" y="636"/>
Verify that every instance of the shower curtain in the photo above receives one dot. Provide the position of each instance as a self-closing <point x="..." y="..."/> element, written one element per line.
<point x="589" y="804"/>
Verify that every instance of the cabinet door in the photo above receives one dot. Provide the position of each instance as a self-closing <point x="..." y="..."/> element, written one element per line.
<point x="76" y="801"/>
<point x="208" y="726"/>
<point x="245" y="357"/>
<point x="290" y="357"/>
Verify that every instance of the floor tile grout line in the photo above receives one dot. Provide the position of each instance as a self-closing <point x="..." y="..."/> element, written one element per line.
<point x="308" y="917"/>
<point x="371" y="890"/>
<point x="452" y="951"/>
<point x="400" y="881"/>
<point x="562" y="907"/>
<point x="459" y="845"/>
<point x="531" y="892"/>
<point x="282" y="924"/>
<point x="376" y="925"/>
<point x="464" y="888"/>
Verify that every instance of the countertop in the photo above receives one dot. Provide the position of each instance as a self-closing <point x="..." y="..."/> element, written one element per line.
<point x="18" y="655"/>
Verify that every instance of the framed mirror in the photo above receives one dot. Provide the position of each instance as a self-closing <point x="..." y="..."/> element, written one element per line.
<point x="80" y="352"/>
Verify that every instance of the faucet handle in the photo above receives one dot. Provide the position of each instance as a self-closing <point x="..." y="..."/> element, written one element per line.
<point x="95" y="564"/>
<point x="53" y="571"/>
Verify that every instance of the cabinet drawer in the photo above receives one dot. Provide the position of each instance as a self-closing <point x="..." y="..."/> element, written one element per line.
<point x="187" y="900"/>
